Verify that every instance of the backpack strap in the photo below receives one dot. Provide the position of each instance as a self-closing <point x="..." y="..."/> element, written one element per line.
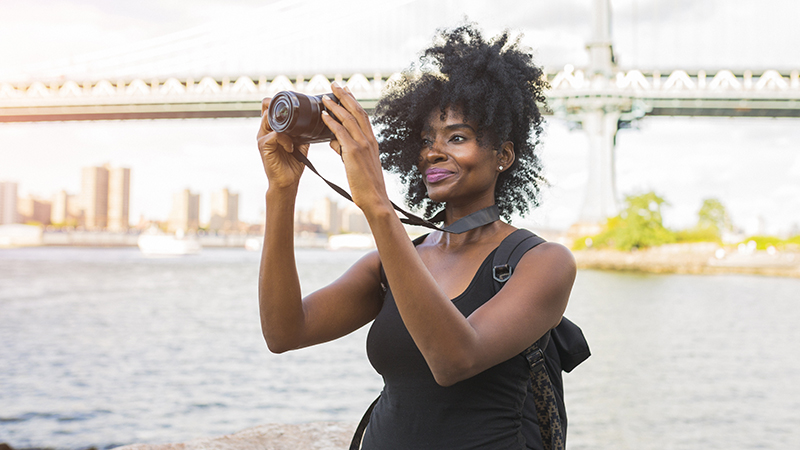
<point x="355" y="443"/>
<point x="509" y="253"/>
<point x="505" y="259"/>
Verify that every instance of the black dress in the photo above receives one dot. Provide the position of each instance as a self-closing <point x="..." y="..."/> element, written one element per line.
<point x="413" y="412"/>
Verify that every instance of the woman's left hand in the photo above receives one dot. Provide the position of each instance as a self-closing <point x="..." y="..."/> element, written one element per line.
<point x="356" y="143"/>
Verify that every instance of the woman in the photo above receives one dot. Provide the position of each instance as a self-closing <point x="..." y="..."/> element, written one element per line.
<point x="461" y="137"/>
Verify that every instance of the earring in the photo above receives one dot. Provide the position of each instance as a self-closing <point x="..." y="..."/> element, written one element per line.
<point x="500" y="168"/>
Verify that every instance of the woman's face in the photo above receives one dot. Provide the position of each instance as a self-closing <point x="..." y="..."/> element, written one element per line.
<point x="454" y="166"/>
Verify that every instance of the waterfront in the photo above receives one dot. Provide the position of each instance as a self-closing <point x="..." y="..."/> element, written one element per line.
<point x="104" y="347"/>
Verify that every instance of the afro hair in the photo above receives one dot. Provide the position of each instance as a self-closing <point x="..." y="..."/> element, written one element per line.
<point x="494" y="84"/>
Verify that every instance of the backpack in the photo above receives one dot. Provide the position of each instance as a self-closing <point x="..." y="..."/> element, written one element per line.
<point x="544" y="418"/>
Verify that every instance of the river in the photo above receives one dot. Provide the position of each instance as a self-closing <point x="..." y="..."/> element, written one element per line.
<point x="105" y="347"/>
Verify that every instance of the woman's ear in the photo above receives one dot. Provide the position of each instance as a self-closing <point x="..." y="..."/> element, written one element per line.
<point x="505" y="156"/>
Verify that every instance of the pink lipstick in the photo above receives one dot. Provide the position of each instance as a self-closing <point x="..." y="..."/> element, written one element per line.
<point x="434" y="175"/>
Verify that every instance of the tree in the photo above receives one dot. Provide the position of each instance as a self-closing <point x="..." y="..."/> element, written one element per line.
<point x="713" y="215"/>
<point x="639" y="225"/>
<point x="712" y="220"/>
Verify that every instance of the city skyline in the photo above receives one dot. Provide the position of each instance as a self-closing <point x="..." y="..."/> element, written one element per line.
<point x="102" y="202"/>
<point x="751" y="165"/>
<point x="98" y="194"/>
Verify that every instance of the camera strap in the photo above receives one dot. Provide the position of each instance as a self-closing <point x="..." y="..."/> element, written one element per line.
<point x="469" y="222"/>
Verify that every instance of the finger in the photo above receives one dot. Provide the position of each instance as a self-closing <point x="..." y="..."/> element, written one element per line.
<point x="344" y="136"/>
<point x="336" y="147"/>
<point x="267" y="143"/>
<point x="348" y="100"/>
<point x="273" y="140"/>
<point x="347" y="128"/>
<point x="265" y="105"/>
<point x="264" y="129"/>
<point x="286" y="142"/>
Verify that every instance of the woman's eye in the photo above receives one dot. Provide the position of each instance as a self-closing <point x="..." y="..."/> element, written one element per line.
<point x="426" y="143"/>
<point x="458" y="138"/>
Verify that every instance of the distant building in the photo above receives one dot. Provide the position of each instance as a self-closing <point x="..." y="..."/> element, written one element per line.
<point x="66" y="210"/>
<point x="94" y="197"/>
<point x="32" y="209"/>
<point x="185" y="213"/>
<point x="105" y="197"/>
<point x="224" y="211"/>
<point x="326" y="215"/>
<point x="75" y="211"/>
<point x="353" y="220"/>
<point x="119" y="193"/>
<point x="303" y="222"/>
<point x="60" y="208"/>
<point x="8" y="203"/>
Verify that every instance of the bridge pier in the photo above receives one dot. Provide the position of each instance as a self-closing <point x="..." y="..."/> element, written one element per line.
<point x="600" y="117"/>
<point x="600" y="198"/>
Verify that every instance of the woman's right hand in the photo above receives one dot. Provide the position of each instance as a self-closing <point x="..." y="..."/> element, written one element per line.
<point x="282" y="169"/>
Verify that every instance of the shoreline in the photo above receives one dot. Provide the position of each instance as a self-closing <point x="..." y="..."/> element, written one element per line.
<point x="694" y="259"/>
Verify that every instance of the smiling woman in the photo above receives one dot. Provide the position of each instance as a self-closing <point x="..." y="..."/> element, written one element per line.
<point x="456" y="349"/>
<point x="506" y="113"/>
<point x="451" y="153"/>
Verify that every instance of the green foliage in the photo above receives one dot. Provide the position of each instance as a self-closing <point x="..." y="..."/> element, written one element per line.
<point x="764" y="242"/>
<point x="712" y="220"/>
<point x="793" y="243"/>
<point x="697" y="234"/>
<point x="713" y="215"/>
<point x="639" y="225"/>
<point x="583" y="242"/>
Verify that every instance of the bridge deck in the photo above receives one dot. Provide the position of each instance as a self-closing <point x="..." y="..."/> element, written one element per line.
<point x="771" y="94"/>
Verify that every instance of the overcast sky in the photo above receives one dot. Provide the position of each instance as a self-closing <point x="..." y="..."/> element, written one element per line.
<point x="752" y="165"/>
<point x="245" y="35"/>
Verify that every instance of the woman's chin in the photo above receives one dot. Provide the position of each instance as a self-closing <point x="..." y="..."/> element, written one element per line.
<point x="437" y="195"/>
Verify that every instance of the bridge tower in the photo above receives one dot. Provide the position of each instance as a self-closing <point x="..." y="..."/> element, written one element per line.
<point x="599" y="111"/>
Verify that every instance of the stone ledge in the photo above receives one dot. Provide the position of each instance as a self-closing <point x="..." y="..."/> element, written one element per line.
<point x="306" y="436"/>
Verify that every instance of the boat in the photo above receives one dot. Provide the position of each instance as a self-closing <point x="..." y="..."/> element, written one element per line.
<point x="352" y="241"/>
<point x="253" y="244"/>
<point x="162" y="244"/>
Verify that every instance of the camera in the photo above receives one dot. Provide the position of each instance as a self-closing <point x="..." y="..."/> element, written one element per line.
<point x="300" y="116"/>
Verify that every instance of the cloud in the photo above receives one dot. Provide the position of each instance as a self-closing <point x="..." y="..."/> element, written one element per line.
<point x="795" y="168"/>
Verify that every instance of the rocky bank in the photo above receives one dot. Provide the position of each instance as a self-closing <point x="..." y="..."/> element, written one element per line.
<point x="707" y="259"/>
<point x="306" y="436"/>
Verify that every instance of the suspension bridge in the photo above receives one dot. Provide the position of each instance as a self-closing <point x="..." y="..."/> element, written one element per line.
<point x="599" y="99"/>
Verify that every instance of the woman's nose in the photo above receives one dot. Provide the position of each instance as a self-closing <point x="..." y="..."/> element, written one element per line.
<point x="433" y="153"/>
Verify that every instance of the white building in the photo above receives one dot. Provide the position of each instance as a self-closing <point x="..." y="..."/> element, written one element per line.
<point x="185" y="213"/>
<point x="224" y="211"/>
<point x="8" y="202"/>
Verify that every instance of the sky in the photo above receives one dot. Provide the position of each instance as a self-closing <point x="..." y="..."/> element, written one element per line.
<point x="751" y="165"/>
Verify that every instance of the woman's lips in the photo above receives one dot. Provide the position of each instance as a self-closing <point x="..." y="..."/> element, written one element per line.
<point x="436" y="175"/>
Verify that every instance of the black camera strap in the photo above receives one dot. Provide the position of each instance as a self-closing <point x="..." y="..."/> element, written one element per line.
<point x="469" y="222"/>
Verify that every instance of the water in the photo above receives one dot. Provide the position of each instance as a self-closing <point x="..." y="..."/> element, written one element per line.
<point x="104" y="347"/>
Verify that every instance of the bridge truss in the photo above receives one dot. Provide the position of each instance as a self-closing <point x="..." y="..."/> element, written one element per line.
<point x="634" y="93"/>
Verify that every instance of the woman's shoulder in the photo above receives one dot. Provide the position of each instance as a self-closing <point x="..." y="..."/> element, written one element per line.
<point x="549" y="255"/>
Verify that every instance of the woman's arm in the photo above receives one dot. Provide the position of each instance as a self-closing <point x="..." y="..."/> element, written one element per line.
<point x="287" y="320"/>
<point x="531" y="303"/>
<point x="454" y="347"/>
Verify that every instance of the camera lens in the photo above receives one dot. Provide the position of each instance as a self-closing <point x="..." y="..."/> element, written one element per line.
<point x="282" y="112"/>
<point x="299" y="116"/>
